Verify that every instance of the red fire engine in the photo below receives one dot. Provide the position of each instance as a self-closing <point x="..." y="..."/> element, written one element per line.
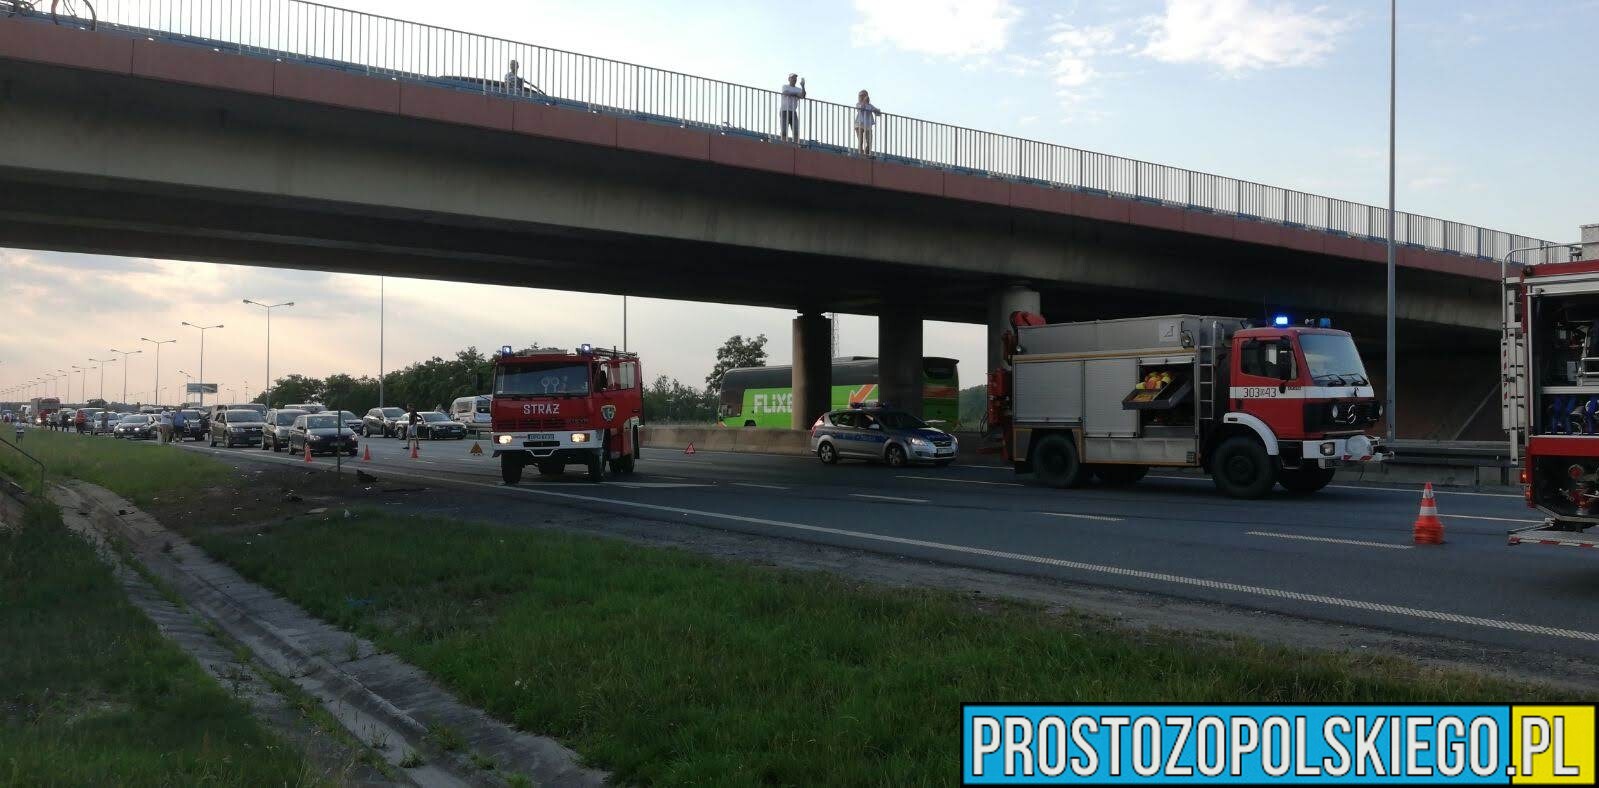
<point x="552" y="408"/>
<point x="1550" y="359"/>
<point x="1252" y="406"/>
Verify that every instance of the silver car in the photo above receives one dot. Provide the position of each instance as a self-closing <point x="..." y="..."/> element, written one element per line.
<point x="891" y="436"/>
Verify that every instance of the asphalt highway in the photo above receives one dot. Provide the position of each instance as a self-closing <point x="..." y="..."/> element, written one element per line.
<point x="1342" y="555"/>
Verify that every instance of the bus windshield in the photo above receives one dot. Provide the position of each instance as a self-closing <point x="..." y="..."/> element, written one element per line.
<point x="551" y="378"/>
<point x="1332" y="358"/>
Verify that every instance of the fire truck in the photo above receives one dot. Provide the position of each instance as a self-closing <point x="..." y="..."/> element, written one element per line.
<point x="43" y="408"/>
<point x="552" y="408"/>
<point x="1252" y="406"/>
<point x="1549" y="351"/>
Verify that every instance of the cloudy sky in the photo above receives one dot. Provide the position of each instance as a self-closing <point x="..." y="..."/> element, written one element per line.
<point x="1496" y="128"/>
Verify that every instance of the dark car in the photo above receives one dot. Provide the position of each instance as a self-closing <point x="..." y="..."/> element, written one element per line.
<point x="435" y="426"/>
<point x="275" y="435"/>
<point x="381" y="421"/>
<point x="351" y="421"/>
<point x="236" y="427"/>
<point x="135" y="426"/>
<point x="194" y="426"/>
<point x="104" y="422"/>
<point x="324" y="433"/>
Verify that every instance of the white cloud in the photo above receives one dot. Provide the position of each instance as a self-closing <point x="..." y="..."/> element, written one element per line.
<point x="942" y="28"/>
<point x="1236" y="35"/>
<point x="1072" y="53"/>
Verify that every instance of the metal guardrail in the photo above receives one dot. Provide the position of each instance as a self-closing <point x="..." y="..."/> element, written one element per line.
<point x="377" y="45"/>
<point x="29" y="458"/>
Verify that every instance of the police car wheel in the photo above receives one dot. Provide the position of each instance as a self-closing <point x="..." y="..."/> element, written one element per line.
<point x="827" y="454"/>
<point x="896" y="456"/>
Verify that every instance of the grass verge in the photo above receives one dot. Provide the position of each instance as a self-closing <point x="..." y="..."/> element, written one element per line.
<point x="133" y="470"/>
<point x="92" y="694"/>
<point x="670" y="668"/>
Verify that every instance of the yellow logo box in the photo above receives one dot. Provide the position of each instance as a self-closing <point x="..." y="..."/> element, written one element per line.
<point x="1552" y="745"/>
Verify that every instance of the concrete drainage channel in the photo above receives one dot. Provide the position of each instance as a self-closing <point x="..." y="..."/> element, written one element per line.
<point x="384" y="703"/>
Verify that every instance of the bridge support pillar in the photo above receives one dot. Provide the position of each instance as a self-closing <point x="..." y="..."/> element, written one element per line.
<point x="899" y="359"/>
<point x="813" y="369"/>
<point x="1012" y="298"/>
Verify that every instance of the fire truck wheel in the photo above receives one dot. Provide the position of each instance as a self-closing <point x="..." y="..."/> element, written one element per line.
<point x="1120" y="475"/>
<point x="1242" y="469"/>
<point x="1303" y="481"/>
<point x="511" y="469"/>
<point x="623" y="464"/>
<point x="597" y="467"/>
<point x="1055" y="462"/>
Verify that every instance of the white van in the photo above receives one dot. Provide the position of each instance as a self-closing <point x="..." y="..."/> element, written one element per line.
<point x="308" y="407"/>
<point x="471" y="410"/>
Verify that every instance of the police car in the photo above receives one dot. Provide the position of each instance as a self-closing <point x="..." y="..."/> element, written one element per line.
<point x="891" y="436"/>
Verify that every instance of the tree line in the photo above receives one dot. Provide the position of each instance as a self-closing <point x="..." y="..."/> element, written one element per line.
<point x="436" y="382"/>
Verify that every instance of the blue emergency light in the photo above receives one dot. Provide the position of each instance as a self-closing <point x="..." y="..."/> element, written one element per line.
<point x="1280" y="321"/>
<point x="505" y="350"/>
<point x="585" y="349"/>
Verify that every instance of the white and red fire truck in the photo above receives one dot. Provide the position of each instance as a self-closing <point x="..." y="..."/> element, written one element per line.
<point x="552" y="408"/>
<point x="1550" y="358"/>
<point x="1252" y="406"/>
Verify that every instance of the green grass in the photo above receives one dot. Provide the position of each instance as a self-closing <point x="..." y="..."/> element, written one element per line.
<point x="137" y="472"/>
<point x="92" y="694"/>
<point x="671" y="668"/>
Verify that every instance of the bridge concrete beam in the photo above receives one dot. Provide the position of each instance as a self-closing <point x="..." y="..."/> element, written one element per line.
<point x="813" y="369"/>
<point x="899" y="358"/>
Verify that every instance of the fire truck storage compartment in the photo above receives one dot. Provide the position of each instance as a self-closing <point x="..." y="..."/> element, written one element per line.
<point x="1565" y="335"/>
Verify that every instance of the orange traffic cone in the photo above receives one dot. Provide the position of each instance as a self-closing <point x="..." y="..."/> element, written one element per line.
<point x="308" y="452"/>
<point x="1428" y="529"/>
<point x="366" y="456"/>
<point x="689" y="450"/>
<point x="414" y="454"/>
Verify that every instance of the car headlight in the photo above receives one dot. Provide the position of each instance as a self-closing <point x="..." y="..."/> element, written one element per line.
<point x="580" y="437"/>
<point x="313" y="437"/>
<point x="920" y="443"/>
<point x="503" y="440"/>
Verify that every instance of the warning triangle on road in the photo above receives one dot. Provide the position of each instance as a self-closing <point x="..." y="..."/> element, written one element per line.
<point x="477" y="448"/>
<point x="689" y="450"/>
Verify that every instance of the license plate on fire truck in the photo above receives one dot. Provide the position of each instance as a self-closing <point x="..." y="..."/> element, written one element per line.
<point x="541" y="436"/>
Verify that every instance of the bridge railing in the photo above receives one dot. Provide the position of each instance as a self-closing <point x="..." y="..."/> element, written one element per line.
<point x="367" y="43"/>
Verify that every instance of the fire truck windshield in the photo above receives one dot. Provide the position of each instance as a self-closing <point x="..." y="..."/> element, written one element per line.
<point x="1333" y="359"/>
<point x="547" y="379"/>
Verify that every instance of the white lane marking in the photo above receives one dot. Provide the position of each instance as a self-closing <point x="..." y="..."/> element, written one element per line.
<point x="656" y="485"/>
<point x="760" y="486"/>
<point x="894" y="498"/>
<point x="1435" y="490"/>
<point x="1495" y="519"/>
<point x="960" y="481"/>
<point x="1082" y="516"/>
<point x="1304" y="538"/>
<point x="1104" y="569"/>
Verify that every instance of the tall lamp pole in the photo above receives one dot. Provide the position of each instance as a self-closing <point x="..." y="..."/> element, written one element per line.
<point x="125" y="354"/>
<point x="83" y="382"/>
<point x="102" y="362"/>
<point x="381" y="282"/>
<point x="1389" y="409"/>
<point x="268" y="308"/>
<point x="202" y="329"/>
<point x="158" y="343"/>
<point x="64" y="375"/>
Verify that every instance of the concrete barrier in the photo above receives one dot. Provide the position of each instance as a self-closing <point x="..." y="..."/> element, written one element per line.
<point x="746" y="439"/>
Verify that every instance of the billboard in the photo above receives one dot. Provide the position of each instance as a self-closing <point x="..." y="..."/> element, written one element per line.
<point x="201" y="388"/>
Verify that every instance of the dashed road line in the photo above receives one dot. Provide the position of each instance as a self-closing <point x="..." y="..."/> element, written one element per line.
<point x="1357" y="542"/>
<point x="1075" y="516"/>
<point x="760" y="486"/>
<point x="960" y="481"/>
<point x="892" y="498"/>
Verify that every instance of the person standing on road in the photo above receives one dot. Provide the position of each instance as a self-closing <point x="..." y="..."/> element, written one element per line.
<point x="788" y="115"/>
<point x="412" y="420"/>
<point x="17" y="425"/>
<point x="163" y="426"/>
<point x="179" y="423"/>
<point x="865" y="120"/>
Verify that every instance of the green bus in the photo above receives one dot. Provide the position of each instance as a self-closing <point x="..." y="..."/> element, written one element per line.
<point x="760" y="396"/>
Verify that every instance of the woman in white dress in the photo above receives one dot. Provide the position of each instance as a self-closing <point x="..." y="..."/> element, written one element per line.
<point x="865" y="120"/>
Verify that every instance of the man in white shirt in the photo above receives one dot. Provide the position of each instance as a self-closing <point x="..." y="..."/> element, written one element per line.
<point x="788" y="115"/>
<point x="514" y="83"/>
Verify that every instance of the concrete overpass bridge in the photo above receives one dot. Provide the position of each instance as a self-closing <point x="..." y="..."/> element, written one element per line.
<point x="318" y="138"/>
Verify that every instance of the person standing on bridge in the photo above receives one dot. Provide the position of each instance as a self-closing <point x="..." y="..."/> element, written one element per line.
<point x="788" y="115"/>
<point x="514" y="83"/>
<point x="865" y="120"/>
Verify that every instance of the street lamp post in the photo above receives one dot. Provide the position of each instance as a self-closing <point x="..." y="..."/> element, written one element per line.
<point x="64" y="375"/>
<point x="83" y="381"/>
<point x="1393" y="81"/>
<point x="202" y="330"/>
<point x="268" y="308"/>
<point x="158" y="343"/>
<point x="102" y="362"/>
<point x="125" y="354"/>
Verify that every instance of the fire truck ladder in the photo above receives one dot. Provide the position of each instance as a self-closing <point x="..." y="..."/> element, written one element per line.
<point x="1207" y="374"/>
<point x="1514" y="416"/>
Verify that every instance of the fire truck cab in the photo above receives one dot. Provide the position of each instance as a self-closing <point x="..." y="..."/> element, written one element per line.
<point x="1252" y="406"/>
<point x="552" y="408"/>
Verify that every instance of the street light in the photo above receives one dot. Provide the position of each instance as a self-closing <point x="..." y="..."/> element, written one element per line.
<point x="268" y="308"/>
<point x="202" y="330"/>
<point x="1393" y="82"/>
<point x="102" y="362"/>
<point x="125" y="354"/>
<point x="83" y="381"/>
<point x="158" y="343"/>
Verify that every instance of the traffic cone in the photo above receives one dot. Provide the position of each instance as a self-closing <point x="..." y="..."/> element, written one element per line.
<point x="414" y="454"/>
<point x="366" y="456"/>
<point x="689" y="450"/>
<point x="307" y="452"/>
<point x="1428" y="529"/>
